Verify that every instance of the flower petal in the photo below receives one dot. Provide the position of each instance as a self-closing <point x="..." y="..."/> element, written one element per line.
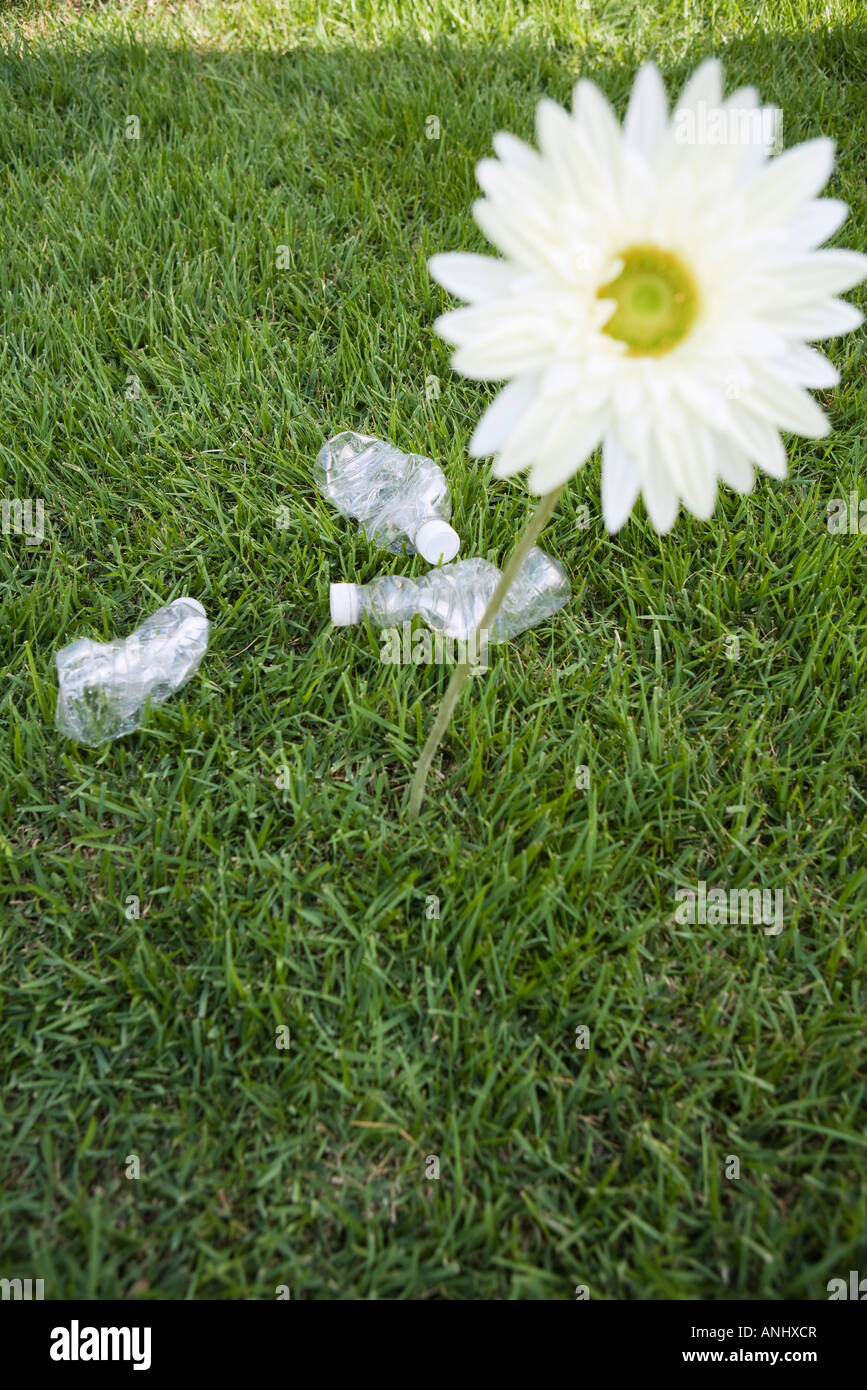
<point x="519" y="233"/>
<point x="744" y="99"/>
<point x="597" y="124"/>
<point x="782" y="185"/>
<point x="823" y="273"/>
<point x="761" y="442"/>
<point x="585" y="183"/>
<point x="494" y="343"/>
<point x="502" y="415"/>
<point x="808" y="367"/>
<point x="647" y="113"/>
<point x="705" y="85"/>
<point x="786" y="406"/>
<point x="538" y="434"/>
<point x="827" y="318"/>
<point x="732" y="464"/>
<point x="658" y="494"/>
<point x="558" y="463"/>
<point x="620" y="484"/>
<point x="517" y="152"/>
<point x="818" y="221"/>
<point x="690" y="467"/>
<point x="472" y="277"/>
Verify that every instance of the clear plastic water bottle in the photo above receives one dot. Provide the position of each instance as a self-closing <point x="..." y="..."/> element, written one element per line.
<point x="452" y="600"/>
<point x="400" y="500"/>
<point x="104" y="686"/>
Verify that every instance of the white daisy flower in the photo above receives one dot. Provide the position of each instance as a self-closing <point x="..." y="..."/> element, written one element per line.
<point x="656" y="297"/>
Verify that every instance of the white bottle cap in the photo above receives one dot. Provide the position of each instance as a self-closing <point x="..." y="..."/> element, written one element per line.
<point x="345" y="604"/>
<point x="435" y="540"/>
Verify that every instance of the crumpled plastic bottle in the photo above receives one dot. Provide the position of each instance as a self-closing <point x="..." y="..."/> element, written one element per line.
<point x="453" y="599"/>
<point x="104" y="686"/>
<point x="400" y="500"/>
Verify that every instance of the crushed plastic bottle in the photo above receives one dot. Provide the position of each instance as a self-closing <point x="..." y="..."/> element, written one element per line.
<point x="398" y="499"/>
<point x="104" y="686"/>
<point x="452" y="600"/>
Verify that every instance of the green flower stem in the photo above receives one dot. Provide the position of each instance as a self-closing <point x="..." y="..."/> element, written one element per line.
<point x="462" y="670"/>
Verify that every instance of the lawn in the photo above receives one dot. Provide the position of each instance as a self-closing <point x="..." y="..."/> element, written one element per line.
<point x="224" y="952"/>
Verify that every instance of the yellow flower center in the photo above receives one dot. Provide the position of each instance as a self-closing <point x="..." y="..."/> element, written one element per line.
<point x="657" y="301"/>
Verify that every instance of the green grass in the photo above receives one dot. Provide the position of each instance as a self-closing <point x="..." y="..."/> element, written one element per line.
<point x="304" y="905"/>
